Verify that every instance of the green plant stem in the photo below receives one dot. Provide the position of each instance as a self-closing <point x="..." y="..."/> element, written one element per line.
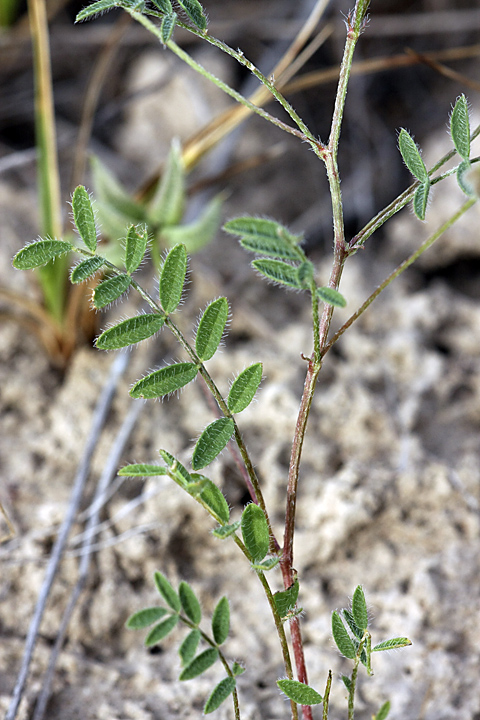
<point x="171" y="44"/>
<point x="221" y="656"/>
<point x="399" y="270"/>
<point x="53" y="275"/>
<point x="353" y="680"/>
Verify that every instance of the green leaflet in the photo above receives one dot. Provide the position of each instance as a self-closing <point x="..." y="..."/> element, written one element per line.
<point x="96" y="9"/>
<point x="190" y="603"/>
<point x="237" y="669"/>
<point x="255" y="531"/>
<point x="188" y="648"/>
<point x="359" y="609"/>
<point x="266" y="565"/>
<point x="460" y="127"/>
<point x="135" y="247"/>
<point x="278" y="271"/>
<point x="392" y="644"/>
<point x="212" y="441"/>
<point x="198" y="233"/>
<point x="244" y="388"/>
<point x="130" y="331"/>
<point x="172" y="278"/>
<point x="285" y="600"/>
<point x="144" y="618"/>
<point x="266" y="237"/>
<point x="221" y="621"/>
<point x="110" y="290"/>
<point x="86" y="269"/>
<point x="164" y="381"/>
<point x="226" y="530"/>
<point x="383" y="712"/>
<point x="411" y="156"/>
<point x="199" y="664"/>
<point x="84" y="217"/>
<point x="166" y="591"/>
<point x="164" y="6"/>
<point x="111" y="195"/>
<point x="195" y="12"/>
<point x="167" y="27"/>
<point x="350" y="620"/>
<point x="420" y="200"/>
<point x="219" y="694"/>
<point x="347" y="682"/>
<point x="215" y="500"/>
<point x="160" y="631"/>
<point x="210" y="329"/>
<point x="167" y="204"/>
<point x="341" y="637"/>
<point x="40" y="253"/>
<point x="142" y="470"/>
<point x="299" y="692"/>
<point x="176" y="470"/>
<point x="464" y="178"/>
<point x="331" y="296"/>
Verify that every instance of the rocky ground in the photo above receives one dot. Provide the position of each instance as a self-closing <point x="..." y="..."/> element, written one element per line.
<point x="389" y="493"/>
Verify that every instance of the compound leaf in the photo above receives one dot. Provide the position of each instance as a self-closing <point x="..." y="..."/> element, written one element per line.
<point x="161" y="631"/>
<point x="190" y="603"/>
<point x="142" y="470"/>
<point x="215" y="500"/>
<point x="392" y="644"/>
<point x="188" y="648"/>
<point x="199" y="664"/>
<point x="359" y="609"/>
<point x="299" y="692"/>
<point x="331" y="296"/>
<point x="278" y="271"/>
<point x="212" y="441"/>
<point x="460" y="127"/>
<point x="420" y="199"/>
<point x="86" y="269"/>
<point x="110" y="290"/>
<point x="211" y="327"/>
<point x="167" y="204"/>
<point x="341" y="637"/>
<point x="166" y="591"/>
<point x="255" y="531"/>
<point x="164" y="381"/>
<point x="221" y="621"/>
<point x="195" y="12"/>
<point x="135" y="247"/>
<point x="172" y="278"/>
<point x="265" y="237"/>
<point x="84" y="217"/>
<point x="219" y="694"/>
<point x="244" y="388"/>
<point x="40" y="253"/>
<point x="130" y="331"/>
<point x="411" y="156"/>
<point x="144" y="618"/>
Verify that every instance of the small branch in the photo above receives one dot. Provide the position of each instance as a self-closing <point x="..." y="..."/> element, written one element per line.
<point x="399" y="270"/>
